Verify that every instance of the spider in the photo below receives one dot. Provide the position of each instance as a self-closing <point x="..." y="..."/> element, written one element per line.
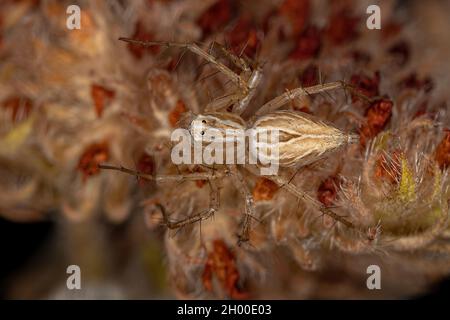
<point x="304" y="139"/>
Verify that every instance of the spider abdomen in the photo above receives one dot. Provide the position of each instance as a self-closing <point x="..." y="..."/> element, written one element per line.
<point x="302" y="139"/>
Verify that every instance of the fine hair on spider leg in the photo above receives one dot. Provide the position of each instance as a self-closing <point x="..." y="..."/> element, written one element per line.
<point x="205" y="214"/>
<point x="195" y="49"/>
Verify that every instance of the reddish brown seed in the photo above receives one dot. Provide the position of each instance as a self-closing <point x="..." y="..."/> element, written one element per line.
<point x="265" y="24"/>
<point x="1" y="31"/>
<point x="388" y="168"/>
<point x="90" y="159"/>
<point x="173" y="63"/>
<point x="137" y="121"/>
<point x="199" y="183"/>
<point x="264" y="189"/>
<point x="304" y="109"/>
<point x="221" y="263"/>
<point x="327" y="192"/>
<point x="308" y="44"/>
<point x="442" y="153"/>
<point x="377" y="117"/>
<point x="176" y="113"/>
<point x="391" y="30"/>
<point x="297" y="12"/>
<point x="422" y="110"/>
<point x="101" y="97"/>
<point x="140" y="33"/>
<point x="310" y="76"/>
<point x="360" y="57"/>
<point x="373" y="233"/>
<point x="145" y="164"/>
<point x="20" y="107"/>
<point x="365" y="85"/>
<point x="32" y="3"/>
<point x="413" y="82"/>
<point x="215" y="17"/>
<point x="342" y="28"/>
<point x="400" y="52"/>
<point x="243" y="37"/>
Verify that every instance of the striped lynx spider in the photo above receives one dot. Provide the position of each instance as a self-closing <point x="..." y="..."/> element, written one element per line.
<point x="303" y="139"/>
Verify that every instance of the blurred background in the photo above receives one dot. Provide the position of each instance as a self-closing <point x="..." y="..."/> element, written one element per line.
<point x="70" y="99"/>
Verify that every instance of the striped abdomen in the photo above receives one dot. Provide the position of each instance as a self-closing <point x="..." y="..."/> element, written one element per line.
<point x="302" y="139"/>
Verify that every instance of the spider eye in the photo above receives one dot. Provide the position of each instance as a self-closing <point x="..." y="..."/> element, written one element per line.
<point x="202" y="133"/>
<point x="203" y="121"/>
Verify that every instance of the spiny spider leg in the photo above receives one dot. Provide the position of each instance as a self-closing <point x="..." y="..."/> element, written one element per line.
<point x="165" y="177"/>
<point x="253" y="83"/>
<point x="296" y="191"/>
<point x="237" y="61"/>
<point x="205" y="214"/>
<point x="254" y="79"/>
<point x="214" y="204"/>
<point x="200" y="52"/>
<point x="282" y="99"/>
<point x="223" y="102"/>
<point x="240" y="184"/>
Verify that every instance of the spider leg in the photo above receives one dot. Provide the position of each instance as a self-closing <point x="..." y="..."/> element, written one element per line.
<point x="299" y="193"/>
<point x="214" y="204"/>
<point x="282" y="99"/>
<point x="240" y="101"/>
<point x="165" y="177"/>
<point x="198" y="51"/>
<point x="253" y="83"/>
<point x="223" y="102"/>
<point x="205" y="214"/>
<point x="255" y="77"/>
<point x="237" y="61"/>
<point x="240" y="184"/>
